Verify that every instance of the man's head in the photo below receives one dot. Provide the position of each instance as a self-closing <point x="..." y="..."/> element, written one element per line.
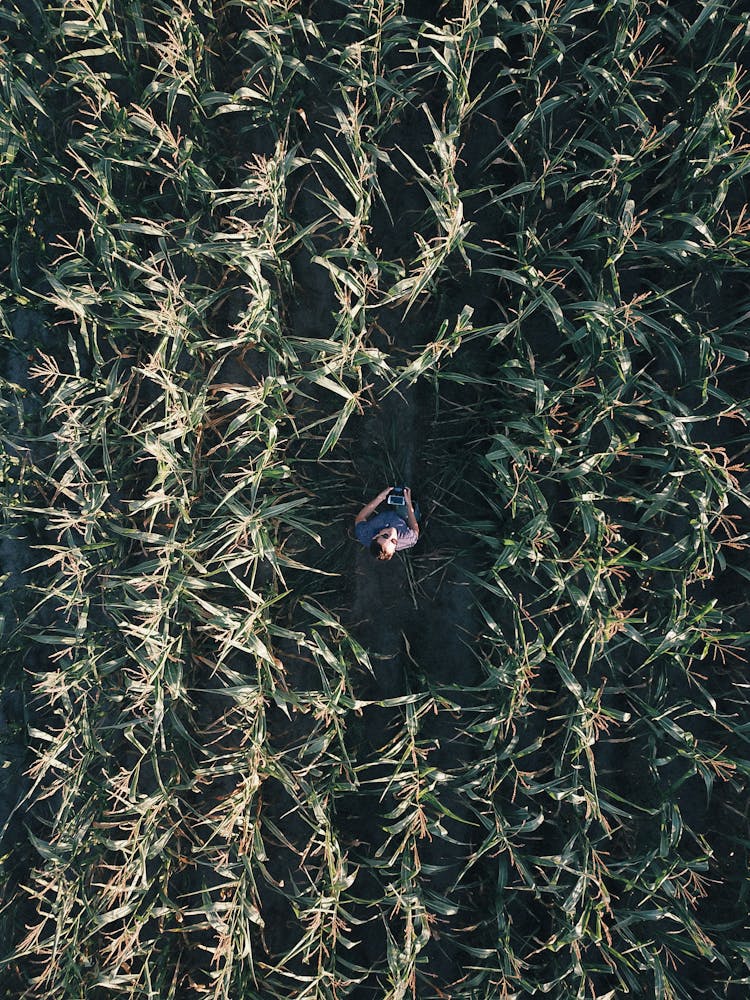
<point x="383" y="545"/>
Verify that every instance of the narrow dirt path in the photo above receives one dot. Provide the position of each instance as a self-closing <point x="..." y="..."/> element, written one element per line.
<point x="417" y="626"/>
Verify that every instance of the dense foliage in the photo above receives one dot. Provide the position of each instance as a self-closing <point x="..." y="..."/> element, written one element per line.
<point x="258" y="259"/>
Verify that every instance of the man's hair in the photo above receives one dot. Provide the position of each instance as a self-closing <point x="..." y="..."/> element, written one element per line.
<point x="377" y="550"/>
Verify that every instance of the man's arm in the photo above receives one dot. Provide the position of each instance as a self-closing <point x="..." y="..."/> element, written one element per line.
<point x="370" y="507"/>
<point x="410" y="519"/>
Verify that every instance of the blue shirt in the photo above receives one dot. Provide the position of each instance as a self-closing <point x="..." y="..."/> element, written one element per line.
<point x="365" y="531"/>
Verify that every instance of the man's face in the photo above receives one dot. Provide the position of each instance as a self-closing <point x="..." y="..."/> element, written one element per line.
<point x="387" y="539"/>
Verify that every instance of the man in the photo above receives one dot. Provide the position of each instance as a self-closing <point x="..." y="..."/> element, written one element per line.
<point x="386" y="533"/>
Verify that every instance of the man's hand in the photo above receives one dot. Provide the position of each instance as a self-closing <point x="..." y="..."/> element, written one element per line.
<point x="407" y="494"/>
